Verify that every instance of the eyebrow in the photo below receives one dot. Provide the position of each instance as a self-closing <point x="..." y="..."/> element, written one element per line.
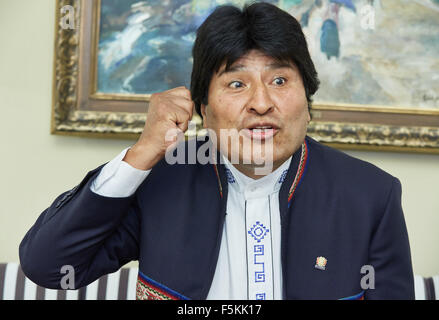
<point x="234" y="68"/>
<point x="241" y="67"/>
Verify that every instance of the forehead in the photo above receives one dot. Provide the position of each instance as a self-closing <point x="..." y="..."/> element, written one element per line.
<point x="257" y="55"/>
<point x="254" y="58"/>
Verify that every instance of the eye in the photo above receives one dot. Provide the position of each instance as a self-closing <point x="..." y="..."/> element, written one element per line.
<point x="236" y="84"/>
<point x="279" y="81"/>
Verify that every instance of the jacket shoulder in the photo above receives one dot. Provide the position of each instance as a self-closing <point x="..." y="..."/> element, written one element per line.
<point x="348" y="175"/>
<point x="338" y="163"/>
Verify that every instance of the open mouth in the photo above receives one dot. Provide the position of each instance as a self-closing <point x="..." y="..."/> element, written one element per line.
<point x="260" y="132"/>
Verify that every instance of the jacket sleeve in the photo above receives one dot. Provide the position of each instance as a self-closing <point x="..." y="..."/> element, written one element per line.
<point x="93" y="234"/>
<point x="389" y="254"/>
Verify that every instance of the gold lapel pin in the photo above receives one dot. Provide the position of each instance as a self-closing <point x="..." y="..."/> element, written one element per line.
<point x="321" y="263"/>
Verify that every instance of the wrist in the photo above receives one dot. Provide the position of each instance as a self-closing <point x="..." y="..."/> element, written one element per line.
<point x="141" y="157"/>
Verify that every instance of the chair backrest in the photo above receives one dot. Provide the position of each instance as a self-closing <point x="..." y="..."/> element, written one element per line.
<point x="426" y="288"/>
<point x="121" y="285"/>
<point x="14" y="285"/>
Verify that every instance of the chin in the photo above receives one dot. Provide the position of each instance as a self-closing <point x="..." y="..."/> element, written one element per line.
<point x="258" y="157"/>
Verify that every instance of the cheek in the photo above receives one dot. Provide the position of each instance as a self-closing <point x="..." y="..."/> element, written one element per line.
<point x="294" y="109"/>
<point x="212" y="114"/>
<point x="298" y="103"/>
<point x="295" y="118"/>
<point x="222" y="113"/>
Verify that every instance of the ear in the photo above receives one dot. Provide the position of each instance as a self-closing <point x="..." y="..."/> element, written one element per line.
<point x="309" y="117"/>
<point x="203" y="115"/>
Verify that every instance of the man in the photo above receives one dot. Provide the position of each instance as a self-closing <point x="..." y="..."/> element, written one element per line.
<point x="219" y="230"/>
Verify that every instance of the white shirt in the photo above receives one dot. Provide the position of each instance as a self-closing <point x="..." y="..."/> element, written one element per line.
<point x="249" y="263"/>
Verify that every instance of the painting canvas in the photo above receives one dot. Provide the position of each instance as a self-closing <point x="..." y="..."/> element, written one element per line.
<point x="377" y="61"/>
<point x="367" y="52"/>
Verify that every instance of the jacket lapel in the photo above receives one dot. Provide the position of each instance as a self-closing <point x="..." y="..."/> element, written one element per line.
<point x="286" y="199"/>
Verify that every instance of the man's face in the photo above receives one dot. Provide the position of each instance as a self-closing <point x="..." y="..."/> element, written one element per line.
<point x="262" y="99"/>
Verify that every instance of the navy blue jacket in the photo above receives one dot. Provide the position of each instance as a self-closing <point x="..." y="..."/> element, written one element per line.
<point x="343" y="209"/>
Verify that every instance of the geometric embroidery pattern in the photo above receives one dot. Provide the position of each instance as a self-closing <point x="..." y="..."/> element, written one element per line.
<point x="148" y="289"/>
<point x="258" y="231"/>
<point x="258" y="250"/>
<point x="230" y="177"/>
<point x="359" y="296"/>
<point x="219" y="180"/>
<point x="260" y="296"/>
<point x="145" y="292"/>
<point x="299" y="173"/>
<point x="282" y="177"/>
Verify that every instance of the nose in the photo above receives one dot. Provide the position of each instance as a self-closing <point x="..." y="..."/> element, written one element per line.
<point x="259" y="101"/>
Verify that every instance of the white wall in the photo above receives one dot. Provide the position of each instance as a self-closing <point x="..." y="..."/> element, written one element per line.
<point x="35" y="166"/>
<point x="419" y="176"/>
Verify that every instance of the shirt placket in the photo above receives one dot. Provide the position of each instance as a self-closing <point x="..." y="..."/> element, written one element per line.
<point x="259" y="248"/>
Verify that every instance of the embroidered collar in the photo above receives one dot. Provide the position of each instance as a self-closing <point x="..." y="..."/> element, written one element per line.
<point x="299" y="173"/>
<point x="253" y="188"/>
<point x="297" y="179"/>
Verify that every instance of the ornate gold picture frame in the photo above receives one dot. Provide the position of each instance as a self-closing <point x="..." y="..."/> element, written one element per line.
<point x="78" y="109"/>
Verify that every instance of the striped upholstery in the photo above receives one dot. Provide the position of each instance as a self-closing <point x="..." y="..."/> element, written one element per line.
<point x="121" y="285"/>
<point x="427" y="288"/>
<point x="14" y="285"/>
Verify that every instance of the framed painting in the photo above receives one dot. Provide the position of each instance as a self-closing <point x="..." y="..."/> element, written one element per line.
<point x="378" y="63"/>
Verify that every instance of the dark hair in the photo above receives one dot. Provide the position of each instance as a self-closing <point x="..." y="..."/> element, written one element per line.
<point x="229" y="33"/>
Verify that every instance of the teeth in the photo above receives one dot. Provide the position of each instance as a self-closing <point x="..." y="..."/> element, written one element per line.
<point x="266" y="127"/>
